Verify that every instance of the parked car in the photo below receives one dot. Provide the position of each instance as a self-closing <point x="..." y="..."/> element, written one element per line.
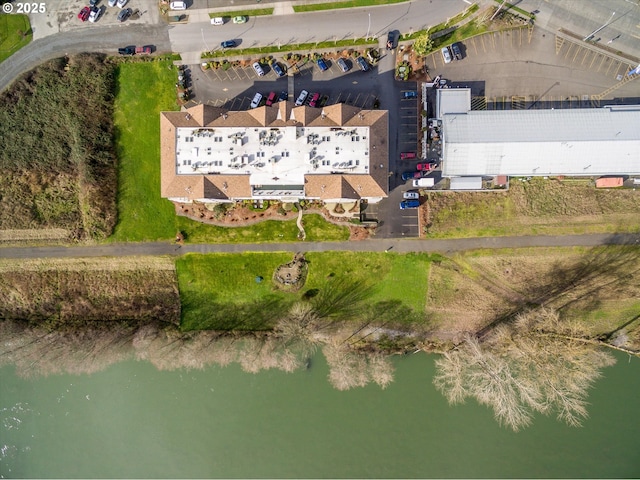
<point x="93" y="3"/>
<point x="322" y="65"/>
<point x="409" y="204"/>
<point x="217" y="21"/>
<point x="112" y="3"/>
<point x="257" y="98"/>
<point x="426" y="166"/>
<point x="122" y="3"/>
<point x="391" y="40"/>
<point x="362" y="63"/>
<point x="446" y="54"/>
<point x="301" y="98"/>
<point x="127" y="50"/>
<point x="228" y="44"/>
<point x="457" y="52"/>
<point x="314" y="99"/>
<point x="240" y="19"/>
<point x="146" y="50"/>
<point x="283" y="96"/>
<point x="258" y="69"/>
<point x="124" y="14"/>
<point x="177" y="5"/>
<point x="410" y="195"/>
<point x="409" y="175"/>
<point x="84" y="14"/>
<point x="342" y="63"/>
<point x="270" y="99"/>
<point x="407" y="155"/>
<point x="278" y="69"/>
<point x="95" y="14"/>
<point x="411" y="94"/>
<point x="424" y="182"/>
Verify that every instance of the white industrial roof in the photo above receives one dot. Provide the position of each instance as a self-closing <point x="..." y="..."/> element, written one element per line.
<point x="595" y="141"/>
<point x="272" y="156"/>
<point x="452" y="100"/>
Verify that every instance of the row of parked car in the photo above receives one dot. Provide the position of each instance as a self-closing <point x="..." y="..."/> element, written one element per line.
<point x="270" y="99"/>
<point x="451" y="52"/>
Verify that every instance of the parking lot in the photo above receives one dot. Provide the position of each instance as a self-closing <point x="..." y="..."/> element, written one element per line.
<point x="531" y="68"/>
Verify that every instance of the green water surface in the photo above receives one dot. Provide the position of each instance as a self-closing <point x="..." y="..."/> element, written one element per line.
<point x="132" y="421"/>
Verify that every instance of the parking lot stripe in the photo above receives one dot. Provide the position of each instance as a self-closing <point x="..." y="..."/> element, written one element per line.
<point x="604" y="58"/>
<point x="587" y="52"/>
<point x="609" y="67"/>
<point x="595" y="57"/>
<point x="475" y="47"/>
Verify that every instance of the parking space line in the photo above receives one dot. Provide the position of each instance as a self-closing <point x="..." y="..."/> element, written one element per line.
<point x="571" y="45"/>
<point x="624" y="69"/>
<point x="609" y="67"/>
<point x="604" y="57"/>
<point x="578" y="50"/>
<point x="595" y="57"/>
<point x="484" y="47"/>
<point x="587" y="52"/>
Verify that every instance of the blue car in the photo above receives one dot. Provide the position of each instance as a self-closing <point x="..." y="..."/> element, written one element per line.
<point x="322" y="65"/>
<point x="228" y="44"/>
<point x="409" y="204"/>
<point x="409" y="175"/>
<point x="411" y="94"/>
<point x="362" y="63"/>
<point x="278" y="69"/>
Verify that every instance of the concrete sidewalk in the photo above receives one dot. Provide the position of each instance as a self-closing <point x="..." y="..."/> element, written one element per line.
<point x="446" y="246"/>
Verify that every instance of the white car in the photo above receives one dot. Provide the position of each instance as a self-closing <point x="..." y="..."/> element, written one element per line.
<point x="301" y="98"/>
<point x="217" y="21"/>
<point x="258" y="68"/>
<point x="446" y="54"/>
<point x="411" y="195"/>
<point x="112" y="3"/>
<point x="255" y="103"/>
<point x="95" y="14"/>
<point x="178" y="5"/>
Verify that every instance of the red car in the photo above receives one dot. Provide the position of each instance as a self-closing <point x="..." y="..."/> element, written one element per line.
<point x="270" y="99"/>
<point x="146" y="50"/>
<point x="314" y="100"/>
<point x="84" y="14"/>
<point x="407" y="155"/>
<point x="426" y="166"/>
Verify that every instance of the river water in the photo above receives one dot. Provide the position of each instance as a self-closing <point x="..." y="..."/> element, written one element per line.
<point x="132" y="420"/>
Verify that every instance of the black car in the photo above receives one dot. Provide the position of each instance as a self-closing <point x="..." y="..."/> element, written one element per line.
<point x="131" y="50"/>
<point x="93" y="3"/>
<point x="283" y="96"/>
<point x="457" y="53"/>
<point x="391" y="40"/>
<point x="228" y="44"/>
<point x="362" y="63"/>
<point x="124" y="14"/>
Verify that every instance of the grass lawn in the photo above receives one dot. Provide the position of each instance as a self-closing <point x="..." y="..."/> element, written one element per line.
<point x="220" y="291"/>
<point x="143" y="91"/>
<point x="318" y="229"/>
<point x="15" y="33"/>
<point x="346" y="4"/>
<point x="267" y="231"/>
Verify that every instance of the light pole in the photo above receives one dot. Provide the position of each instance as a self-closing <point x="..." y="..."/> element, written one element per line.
<point x="588" y="37"/>
<point x="369" y="27"/>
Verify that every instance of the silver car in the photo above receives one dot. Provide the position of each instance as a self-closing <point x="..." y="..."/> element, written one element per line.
<point x="411" y="195"/>
<point x="301" y="98"/>
<point x="255" y="103"/>
<point x="446" y="54"/>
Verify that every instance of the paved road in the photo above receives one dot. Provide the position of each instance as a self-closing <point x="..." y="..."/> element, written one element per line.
<point x="399" y="246"/>
<point x="105" y="39"/>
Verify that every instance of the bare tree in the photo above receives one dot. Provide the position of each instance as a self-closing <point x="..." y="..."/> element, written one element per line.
<point x="535" y="364"/>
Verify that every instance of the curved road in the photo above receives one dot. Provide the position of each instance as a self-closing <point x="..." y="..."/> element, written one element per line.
<point x="104" y="39"/>
<point x="400" y="246"/>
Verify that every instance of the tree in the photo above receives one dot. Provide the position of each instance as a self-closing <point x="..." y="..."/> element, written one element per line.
<point x="423" y="45"/>
<point x="535" y="364"/>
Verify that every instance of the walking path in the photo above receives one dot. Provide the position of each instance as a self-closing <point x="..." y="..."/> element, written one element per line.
<point x="375" y="245"/>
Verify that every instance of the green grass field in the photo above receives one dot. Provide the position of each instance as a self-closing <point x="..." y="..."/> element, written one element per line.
<point x="15" y="33"/>
<point x="143" y="91"/>
<point x="220" y="291"/>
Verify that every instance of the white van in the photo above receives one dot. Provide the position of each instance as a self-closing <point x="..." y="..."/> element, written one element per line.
<point x="178" y="5"/>
<point x="217" y="21"/>
<point x="423" y="182"/>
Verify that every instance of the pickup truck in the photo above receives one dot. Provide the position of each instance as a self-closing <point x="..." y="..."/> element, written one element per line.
<point x="127" y="50"/>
